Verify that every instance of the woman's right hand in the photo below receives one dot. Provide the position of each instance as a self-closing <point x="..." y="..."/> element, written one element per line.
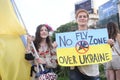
<point x="29" y="38"/>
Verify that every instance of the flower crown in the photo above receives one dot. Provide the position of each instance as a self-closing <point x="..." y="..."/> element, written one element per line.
<point x="49" y="27"/>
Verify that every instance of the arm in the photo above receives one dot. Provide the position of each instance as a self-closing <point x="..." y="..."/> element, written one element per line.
<point x="29" y="54"/>
<point x="118" y="38"/>
<point x="110" y="42"/>
<point x="54" y="44"/>
<point x="29" y="39"/>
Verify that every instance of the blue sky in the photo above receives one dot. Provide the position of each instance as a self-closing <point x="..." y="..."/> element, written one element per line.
<point x="51" y="12"/>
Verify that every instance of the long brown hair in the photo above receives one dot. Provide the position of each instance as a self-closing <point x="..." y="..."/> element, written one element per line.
<point x="112" y="30"/>
<point x="38" y="38"/>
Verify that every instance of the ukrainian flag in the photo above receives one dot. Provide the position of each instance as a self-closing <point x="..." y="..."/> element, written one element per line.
<point x="13" y="66"/>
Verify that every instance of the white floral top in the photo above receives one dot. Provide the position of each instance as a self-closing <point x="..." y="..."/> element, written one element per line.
<point x="49" y="56"/>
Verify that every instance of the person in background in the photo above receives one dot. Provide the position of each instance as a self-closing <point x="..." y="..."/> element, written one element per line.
<point x="113" y="67"/>
<point x="45" y="48"/>
<point x="88" y="72"/>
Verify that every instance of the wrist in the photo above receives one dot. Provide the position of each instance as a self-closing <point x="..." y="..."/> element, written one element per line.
<point x="28" y="51"/>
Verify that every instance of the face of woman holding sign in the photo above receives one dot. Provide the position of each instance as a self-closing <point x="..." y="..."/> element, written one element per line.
<point x="82" y="18"/>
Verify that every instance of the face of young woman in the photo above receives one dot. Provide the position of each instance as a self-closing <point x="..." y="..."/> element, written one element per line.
<point x="82" y="19"/>
<point x="44" y="32"/>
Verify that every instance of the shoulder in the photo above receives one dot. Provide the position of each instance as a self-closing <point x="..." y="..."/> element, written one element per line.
<point x="118" y="34"/>
<point x="118" y="37"/>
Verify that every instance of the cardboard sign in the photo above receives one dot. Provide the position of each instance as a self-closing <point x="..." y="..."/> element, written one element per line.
<point x="83" y="47"/>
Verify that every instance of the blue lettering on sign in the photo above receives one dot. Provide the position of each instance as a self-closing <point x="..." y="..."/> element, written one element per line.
<point x="92" y="37"/>
<point x="97" y="40"/>
<point x="82" y="35"/>
<point x="64" y="41"/>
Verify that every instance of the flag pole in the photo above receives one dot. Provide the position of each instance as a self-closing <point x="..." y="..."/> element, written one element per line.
<point x="20" y="18"/>
<point x="18" y="14"/>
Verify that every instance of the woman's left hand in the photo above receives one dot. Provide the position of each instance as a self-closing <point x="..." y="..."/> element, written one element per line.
<point x="39" y="60"/>
<point x="55" y="44"/>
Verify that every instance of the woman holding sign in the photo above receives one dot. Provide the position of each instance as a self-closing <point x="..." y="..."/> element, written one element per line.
<point x="88" y="72"/>
<point x="113" y="67"/>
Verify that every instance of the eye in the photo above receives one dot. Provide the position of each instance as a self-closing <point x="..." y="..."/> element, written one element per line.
<point x="41" y="30"/>
<point x="82" y="16"/>
<point x="46" y="30"/>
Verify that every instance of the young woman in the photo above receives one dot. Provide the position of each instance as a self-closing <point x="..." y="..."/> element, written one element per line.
<point x="44" y="47"/>
<point x="113" y="67"/>
<point x="88" y="72"/>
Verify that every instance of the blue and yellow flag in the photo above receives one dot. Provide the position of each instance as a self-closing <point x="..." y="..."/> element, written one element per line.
<point x="9" y="23"/>
<point x="13" y="66"/>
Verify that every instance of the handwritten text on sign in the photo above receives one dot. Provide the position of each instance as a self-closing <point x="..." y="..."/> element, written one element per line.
<point x="83" y="47"/>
